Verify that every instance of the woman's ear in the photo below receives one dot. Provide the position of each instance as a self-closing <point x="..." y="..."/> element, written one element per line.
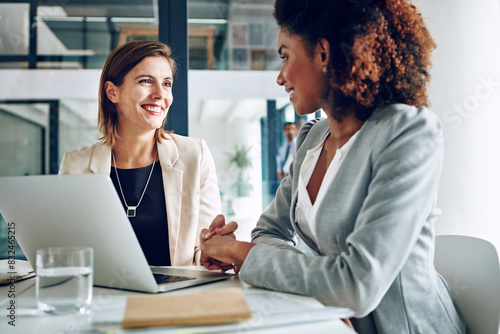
<point x="323" y="51"/>
<point x="111" y="91"/>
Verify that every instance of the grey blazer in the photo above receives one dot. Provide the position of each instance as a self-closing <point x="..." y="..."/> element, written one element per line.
<point x="375" y="247"/>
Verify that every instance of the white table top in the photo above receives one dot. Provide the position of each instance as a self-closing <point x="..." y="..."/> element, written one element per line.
<point x="314" y="318"/>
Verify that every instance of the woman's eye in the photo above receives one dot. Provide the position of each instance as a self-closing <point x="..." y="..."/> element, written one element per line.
<point x="283" y="58"/>
<point x="145" y="81"/>
<point x="168" y="84"/>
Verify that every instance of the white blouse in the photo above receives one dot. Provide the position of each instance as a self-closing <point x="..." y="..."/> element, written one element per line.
<point x="306" y="211"/>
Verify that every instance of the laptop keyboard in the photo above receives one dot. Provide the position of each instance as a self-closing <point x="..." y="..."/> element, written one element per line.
<point x="163" y="278"/>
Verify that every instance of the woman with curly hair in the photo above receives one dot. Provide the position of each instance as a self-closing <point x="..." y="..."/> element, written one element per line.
<point x="362" y="189"/>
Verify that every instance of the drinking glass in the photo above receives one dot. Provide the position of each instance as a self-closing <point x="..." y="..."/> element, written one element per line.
<point x="64" y="279"/>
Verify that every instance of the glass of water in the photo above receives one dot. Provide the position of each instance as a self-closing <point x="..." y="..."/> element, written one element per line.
<point x="64" y="279"/>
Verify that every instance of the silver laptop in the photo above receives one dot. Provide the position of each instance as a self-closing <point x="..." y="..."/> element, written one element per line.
<point x="84" y="210"/>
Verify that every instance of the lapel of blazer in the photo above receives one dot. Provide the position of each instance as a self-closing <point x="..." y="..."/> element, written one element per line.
<point x="313" y="138"/>
<point x="172" y="185"/>
<point x="100" y="161"/>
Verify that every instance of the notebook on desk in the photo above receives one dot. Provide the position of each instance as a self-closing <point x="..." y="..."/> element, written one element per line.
<point x="85" y="210"/>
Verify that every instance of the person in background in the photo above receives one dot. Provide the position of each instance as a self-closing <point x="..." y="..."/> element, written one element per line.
<point x="287" y="151"/>
<point x="167" y="183"/>
<point x="362" y="188"/>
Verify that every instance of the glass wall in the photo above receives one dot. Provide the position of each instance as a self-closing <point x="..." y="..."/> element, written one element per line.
<point x="22" y="140"/>
<point x="14" y="35"/>
<point x="14" y="28"/>
<point x="77" y="124"/>
<point x="81" y="34"/>
<point x="223" y="34"/>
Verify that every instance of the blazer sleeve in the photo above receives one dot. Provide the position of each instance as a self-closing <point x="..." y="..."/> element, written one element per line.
<point x="210" y="205"/>
<point x="63" y="168"/>
<point x="401" y="192"/>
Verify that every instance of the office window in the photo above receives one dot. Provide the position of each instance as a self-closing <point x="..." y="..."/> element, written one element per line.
<point x="14" y="29"/>
<point x="21" y="151"/>
<point x="244" y="33"/>
<point x="252" y="37"/>
<point x="14" y="35"/>
<point x="223" y="34"/>
<point x="76" y="34"/>
<point x="77" y="124"/>
<point x="21" y="140"/>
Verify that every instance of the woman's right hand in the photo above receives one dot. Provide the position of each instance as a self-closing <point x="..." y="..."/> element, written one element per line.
<point x="226" y="250"/>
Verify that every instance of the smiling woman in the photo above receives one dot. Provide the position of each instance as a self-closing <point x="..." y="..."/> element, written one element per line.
<point x="361" y="191"/>
<point x="128" y="65"/>
<point x="143" y="100"/>
<point x="167" y="183"/>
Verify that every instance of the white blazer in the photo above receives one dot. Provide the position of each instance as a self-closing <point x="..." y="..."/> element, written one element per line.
<point x="189" y="180"/>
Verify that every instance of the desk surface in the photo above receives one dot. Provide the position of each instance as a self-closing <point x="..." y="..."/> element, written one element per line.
<point x="28" y="320"/>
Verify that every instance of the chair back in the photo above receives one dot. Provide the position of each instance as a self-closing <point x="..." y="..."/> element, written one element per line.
<point x="471" y="268"/>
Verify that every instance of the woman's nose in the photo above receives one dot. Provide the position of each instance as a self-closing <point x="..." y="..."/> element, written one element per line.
<point x="157" y="92"/>
<point x="280" y="80"/>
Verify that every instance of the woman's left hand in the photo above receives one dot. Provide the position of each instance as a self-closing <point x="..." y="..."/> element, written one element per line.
<point x="217" y="227"/>
<point x="226" y="249"/>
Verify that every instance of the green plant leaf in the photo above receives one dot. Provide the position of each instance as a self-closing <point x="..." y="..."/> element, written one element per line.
<point x="240" y="157"/>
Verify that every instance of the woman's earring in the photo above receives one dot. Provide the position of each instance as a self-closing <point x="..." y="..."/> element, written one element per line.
<point x="325" y="69"/>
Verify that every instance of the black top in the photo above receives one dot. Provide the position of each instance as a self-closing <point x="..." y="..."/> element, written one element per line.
<point x="150" y="222"/>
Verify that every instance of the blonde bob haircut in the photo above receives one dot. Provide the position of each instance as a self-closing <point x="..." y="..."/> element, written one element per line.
<point x="121" y="61"/>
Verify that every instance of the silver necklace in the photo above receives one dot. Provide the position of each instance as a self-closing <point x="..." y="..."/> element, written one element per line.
<point x="131" y="210"/>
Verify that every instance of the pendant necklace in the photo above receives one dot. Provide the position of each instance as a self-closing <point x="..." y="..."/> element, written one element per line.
<point x="131" y="210"/>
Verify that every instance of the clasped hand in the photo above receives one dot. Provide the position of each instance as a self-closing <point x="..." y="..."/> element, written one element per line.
<point x="214" y="243"/>
<point x="219" y="247"/>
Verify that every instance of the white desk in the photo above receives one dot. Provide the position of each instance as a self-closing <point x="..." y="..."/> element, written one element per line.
<point x="26" y="322"/>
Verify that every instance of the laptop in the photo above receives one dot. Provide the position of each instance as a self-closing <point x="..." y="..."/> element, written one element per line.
<point x="85" y="210"/>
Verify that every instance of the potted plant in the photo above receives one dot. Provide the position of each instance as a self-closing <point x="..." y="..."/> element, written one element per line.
<point x="241" y="160"/>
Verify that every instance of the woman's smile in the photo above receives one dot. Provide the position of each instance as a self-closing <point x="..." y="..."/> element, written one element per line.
<point x="153" y="109"/>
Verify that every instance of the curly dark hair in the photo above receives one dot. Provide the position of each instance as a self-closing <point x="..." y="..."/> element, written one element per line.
<point x="380" y="50"/>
